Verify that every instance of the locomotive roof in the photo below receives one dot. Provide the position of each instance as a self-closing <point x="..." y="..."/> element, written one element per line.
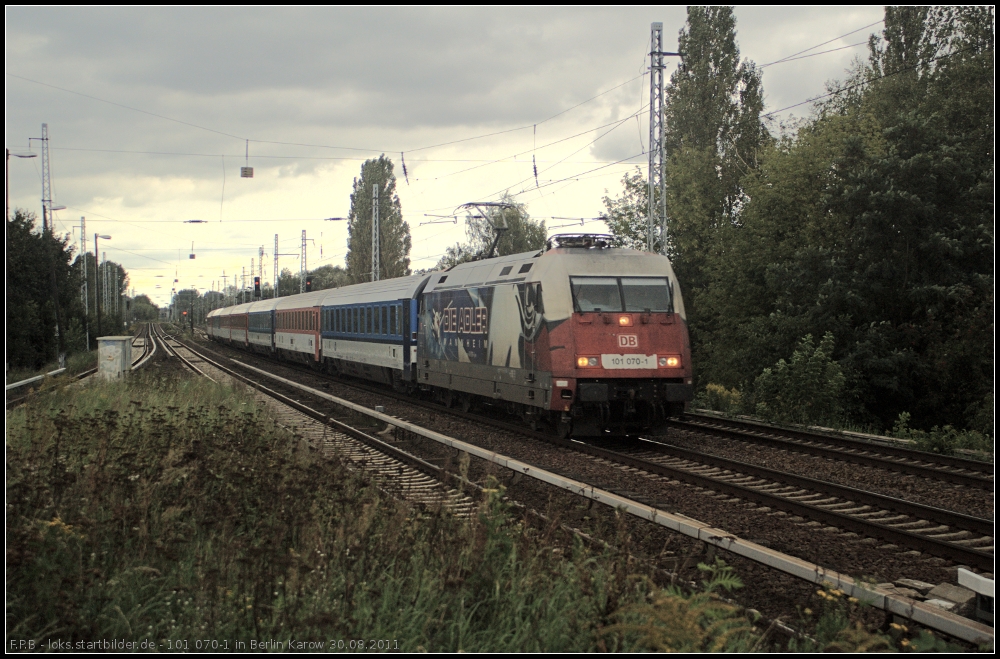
<point x="553" y="268"/>
<point x="485" y="272"/>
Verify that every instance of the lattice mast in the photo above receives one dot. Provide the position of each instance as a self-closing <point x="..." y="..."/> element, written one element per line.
<point x="46" y="180"/>
<point x="302" y="265"/>
<point x="656" y="221"/>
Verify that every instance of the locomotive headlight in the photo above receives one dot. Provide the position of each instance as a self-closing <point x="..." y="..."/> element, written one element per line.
<point x="670" y="361"/>
<point x="625" y="321"/>
<point x="587" y="362"/>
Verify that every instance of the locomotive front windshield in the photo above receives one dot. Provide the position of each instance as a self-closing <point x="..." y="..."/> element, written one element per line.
<point x="637" y="294"/>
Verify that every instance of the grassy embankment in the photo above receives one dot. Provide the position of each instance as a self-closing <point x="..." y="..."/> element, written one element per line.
<point x="179" y="510"/>
<point x="77" y="362"/>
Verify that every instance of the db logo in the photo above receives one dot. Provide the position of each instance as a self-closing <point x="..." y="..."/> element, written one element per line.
<point x="628" y="341"/>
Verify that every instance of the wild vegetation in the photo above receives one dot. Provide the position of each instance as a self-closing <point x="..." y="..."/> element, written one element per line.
<point x="869" y="222"/>
<point x="178" y="509"/>
<point x="46" y="313"/>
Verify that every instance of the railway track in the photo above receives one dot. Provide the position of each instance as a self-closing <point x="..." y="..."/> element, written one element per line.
<point x="961" y="538"/>
<point x="397" y="472"/>
<point x="961" y="471"/>
<point x="964" y="539"/>
<point x="905" y="525"/>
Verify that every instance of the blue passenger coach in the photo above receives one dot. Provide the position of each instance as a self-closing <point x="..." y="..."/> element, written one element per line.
<point x="370" y="330"/>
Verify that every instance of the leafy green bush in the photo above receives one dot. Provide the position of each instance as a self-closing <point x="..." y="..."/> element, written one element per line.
<point x="943" y="441"/>
<point x="718" y="398"/>
<point x="808" y="389"/>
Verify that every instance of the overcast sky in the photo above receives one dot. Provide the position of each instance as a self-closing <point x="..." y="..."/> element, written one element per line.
<point x="149" y="112"/>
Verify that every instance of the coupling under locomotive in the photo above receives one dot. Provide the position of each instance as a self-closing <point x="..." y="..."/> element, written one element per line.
<point x="581" y="336"/>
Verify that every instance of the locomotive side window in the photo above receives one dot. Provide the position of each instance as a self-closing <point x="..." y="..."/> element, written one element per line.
<point x="646" y="294"/>
<point x="596" y="294"/>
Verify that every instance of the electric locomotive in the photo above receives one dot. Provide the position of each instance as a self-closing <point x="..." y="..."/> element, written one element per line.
<point x="580" y="337"/>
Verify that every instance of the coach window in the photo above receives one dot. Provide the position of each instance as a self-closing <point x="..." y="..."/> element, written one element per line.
<point x="392" y="320"/>
<point x="385" y="320"/>
<point x="368" y="320"/>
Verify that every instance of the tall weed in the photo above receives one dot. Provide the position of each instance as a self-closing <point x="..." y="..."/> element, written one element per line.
<point x="179" y="509"/>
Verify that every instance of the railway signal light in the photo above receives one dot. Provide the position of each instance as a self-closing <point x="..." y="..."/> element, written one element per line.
<point x="309" y="284"/>
<point x="256" y="286"/>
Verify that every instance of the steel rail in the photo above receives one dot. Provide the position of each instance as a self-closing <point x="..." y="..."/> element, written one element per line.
<point x="932" y="546"/>
<point x="884" y="446"/>
<point x="428" y="468"/>
<point x="925" y="614"/>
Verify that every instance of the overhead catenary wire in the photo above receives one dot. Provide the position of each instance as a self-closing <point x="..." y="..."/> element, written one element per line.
<point x="247" y="139"/>
<point x="789" y="57"/>
<point x="873" y="79"/>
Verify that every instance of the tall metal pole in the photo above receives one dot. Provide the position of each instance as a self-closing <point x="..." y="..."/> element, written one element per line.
<point x="86" y="293"/>
<point x="376" y="248"/>
<point x="302" y="265"/>
<point x="104" y="280"/>
<point x="657" y="221"/>
<point x="260" y="273"/>
<point x="275" y="265"/>
<point x="46" y="179"/>
<point x="97" y="288"/>
<point x="657" y="200"/>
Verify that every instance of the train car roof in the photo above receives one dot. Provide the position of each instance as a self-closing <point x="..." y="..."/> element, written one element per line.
<point x="228" y="311"/>
<point x="263" y="305"/>
<point x="385" y="290"/>
<point x="300" y="301"/>
<point x="487" y="272"/>
<point x="553" y="268"/>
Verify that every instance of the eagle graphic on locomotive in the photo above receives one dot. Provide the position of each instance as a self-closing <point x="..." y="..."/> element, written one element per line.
<point x="580" y="337"/>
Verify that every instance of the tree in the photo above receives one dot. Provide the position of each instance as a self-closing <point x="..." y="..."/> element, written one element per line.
<point x="394" y="234"/>
<point x="290" y="284"/>
<point x="521" y="235"/>
<point x="329" y="276"/>
<point x="874" y="222"/>
<point x="627" y="214"/>
<point x="40" y="282"/>
<point x="713" y="133"/>
<point x="143" y="309"/>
